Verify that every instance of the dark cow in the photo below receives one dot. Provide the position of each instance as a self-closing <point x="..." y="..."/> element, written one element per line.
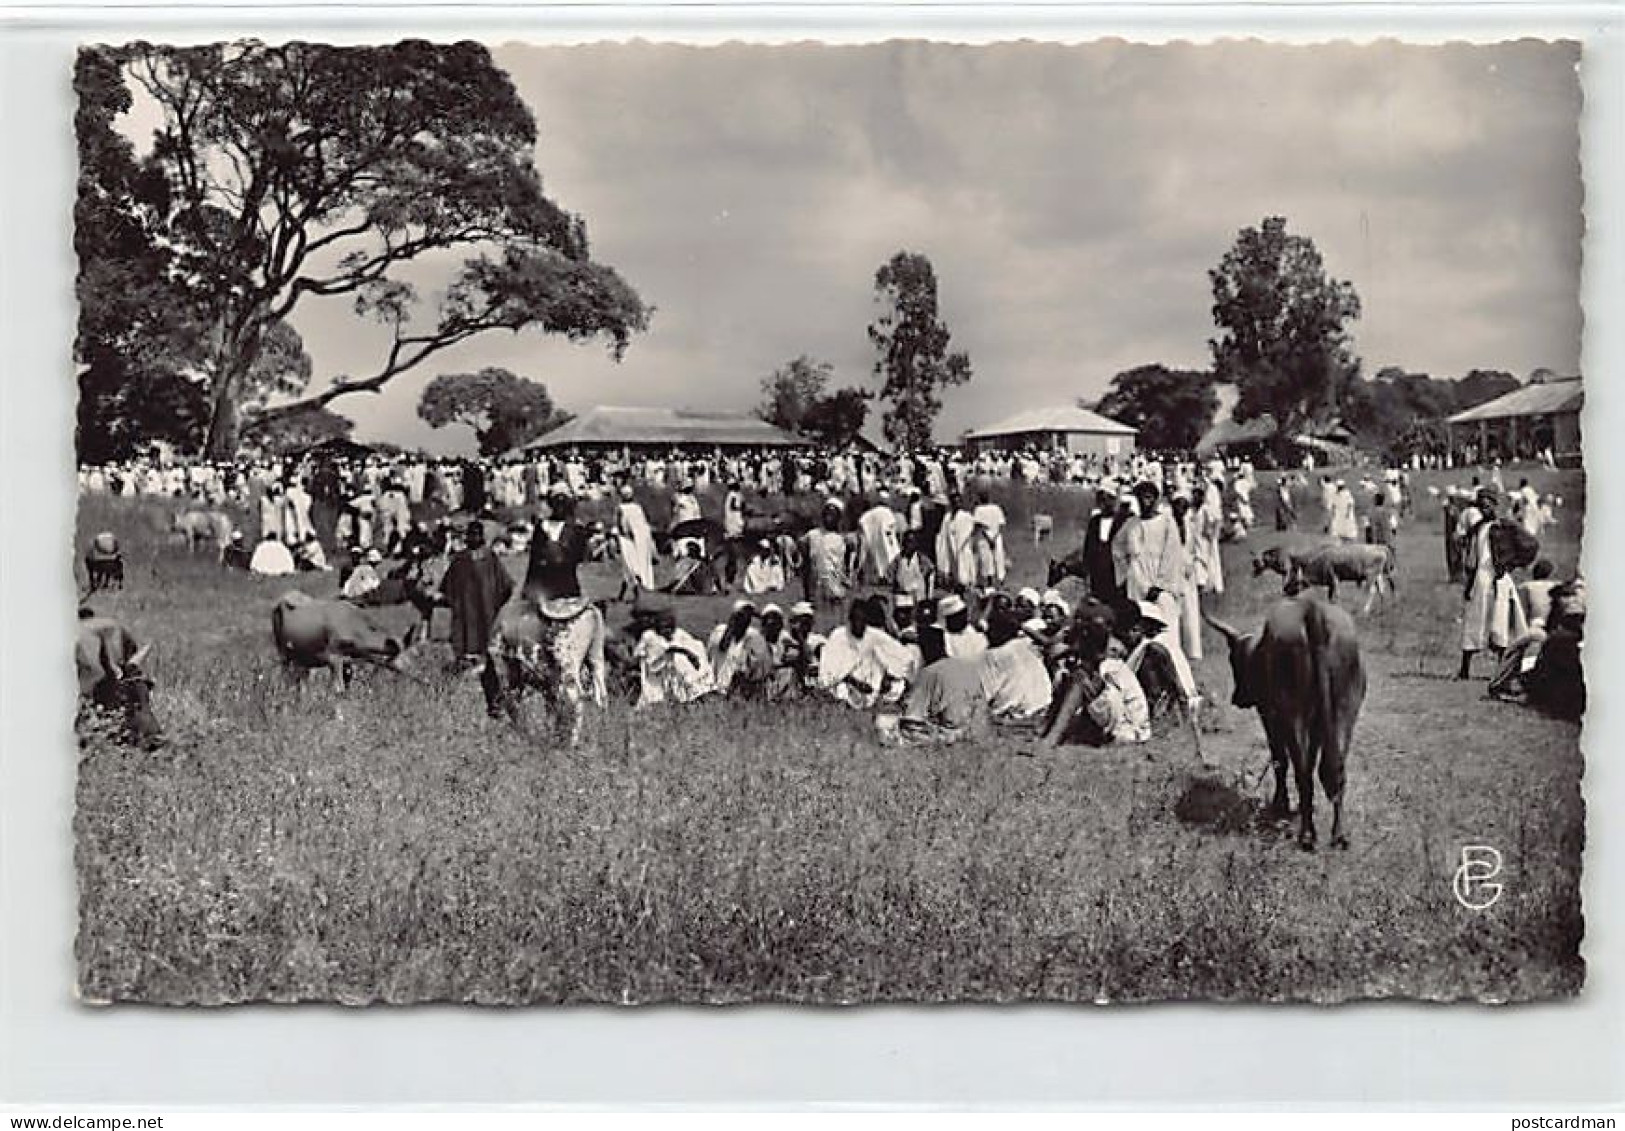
<point x="111" y="678"/>
<point x="1369" y="566"/>
<point x="1304" y="674"/>
<point x="311" y="633"/>
<point x="104" y="563"/>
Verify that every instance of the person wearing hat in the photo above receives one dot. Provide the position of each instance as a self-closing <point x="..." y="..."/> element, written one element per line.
<point x="1158" y="567"/>
<point x="685" y="507"/>
<point x="961" y="639"/>
<point x="635" y="541"/>
<point x="1158" y="662"/>
<point x="739" y="655"/>
<point x="802" y="647"/>
<point x="1049" y="635"/>
<point x="780" y="681"/>
<point x="236" y="554"/>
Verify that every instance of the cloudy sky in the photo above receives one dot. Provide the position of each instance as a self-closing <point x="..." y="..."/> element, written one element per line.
<point x="1071" y="198"/>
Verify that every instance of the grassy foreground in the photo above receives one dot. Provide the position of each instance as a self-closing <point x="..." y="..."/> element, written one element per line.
<point x="393" y="844"/>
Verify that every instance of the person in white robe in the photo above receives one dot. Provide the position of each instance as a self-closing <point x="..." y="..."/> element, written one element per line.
<point x="861" y="665"/>
<point x="987" y="542"/>
<point x="1494" y="615"/>
<point x="877" y="529"/>
<point x="672" y="665"/>
<point x="956" y="561"/>
<point x="271" y="558"/>
<point x="1344" y="525"/>
<point x="636" y="542"/>
<point x="961" y="639"/>
<point x="1014" y="678"/>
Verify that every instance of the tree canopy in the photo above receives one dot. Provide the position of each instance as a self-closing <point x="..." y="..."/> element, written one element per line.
<point x="504" y="410"/>
<point x="290" y="433"/>
<point x="1171" y="408"/>
<point x="914" y="361"/>
<point x="294" y="171"/>
<point x="1400" y="413"/>
<point x="1283" y="337"/>
<point x="796" y="397"/>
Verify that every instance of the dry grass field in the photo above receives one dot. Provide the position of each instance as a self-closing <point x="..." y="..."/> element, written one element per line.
<point x="393" y="844"/>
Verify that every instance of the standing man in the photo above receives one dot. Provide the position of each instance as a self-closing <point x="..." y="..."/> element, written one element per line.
<point x="1097" y="545"/>
<point x="636" y="543"/>
<point x="733" y="530"/>
<point x="476" y="586"/>
<point x="1156" y="555"/>
<point x="824" y="553"/>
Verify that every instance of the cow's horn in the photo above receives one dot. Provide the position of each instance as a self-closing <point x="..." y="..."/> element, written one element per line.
<point x="1223" y="629"/>
<point x="139" y="654"/>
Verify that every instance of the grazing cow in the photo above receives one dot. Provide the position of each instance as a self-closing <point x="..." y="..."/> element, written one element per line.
<point x="554" y="648"/>
<point x="111" y="678"/>
<point x="1304" y="674"/>
<point x="104" y="564"/>
<point x="1369" y="566"/>
<point x="202" y="526"/>
<point x="311" y="633"/>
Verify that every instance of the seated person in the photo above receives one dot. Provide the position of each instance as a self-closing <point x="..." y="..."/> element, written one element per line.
<point x="236" y="554"/>
<point x="1101" y="700"/>
<point x="764" y="573"/>
<point x="692" y="575"/>
<point x="946" y="703"/>
<point x="862" y="664"/>
<point x="1014" y="679"/>
<point x="673" y="666"/>
<point x="1159" y="664"/>
<point x="309" y="556"/>
<point x="739" y="654"/>
<point x="1547" y="673"/>
<point x="271" y="558"/>
<point x="364" y="579"/>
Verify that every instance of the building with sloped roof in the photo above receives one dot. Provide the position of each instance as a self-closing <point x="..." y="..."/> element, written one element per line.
<point x="1065" y="428"/>
<point x="621" y="426"/>
<point x="1544" y="414"/>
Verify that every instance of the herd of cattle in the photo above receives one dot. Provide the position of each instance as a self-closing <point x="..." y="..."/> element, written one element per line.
<point x="1301" y="671"/>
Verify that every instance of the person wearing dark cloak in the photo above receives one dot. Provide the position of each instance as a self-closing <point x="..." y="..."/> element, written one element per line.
<point x="476" y="586"/>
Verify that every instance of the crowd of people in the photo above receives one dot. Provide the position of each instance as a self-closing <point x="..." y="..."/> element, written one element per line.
<point x="910" y="548"/>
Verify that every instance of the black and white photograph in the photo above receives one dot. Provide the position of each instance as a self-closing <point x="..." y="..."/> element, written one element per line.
<point x="904" y="522"/>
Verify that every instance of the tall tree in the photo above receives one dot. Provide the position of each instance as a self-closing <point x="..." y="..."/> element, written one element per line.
<point x="791" y="391"/>
<point x="135" y="341"/>
<point x="835" y="421"/>
<point x="1170" y="407"/>
<point x="303" y="170"/>
<point x="914" y="362"/>
<point x="504" y="410"/>
<point x="796" y="397"/>
<point x="1283" y="337"/>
